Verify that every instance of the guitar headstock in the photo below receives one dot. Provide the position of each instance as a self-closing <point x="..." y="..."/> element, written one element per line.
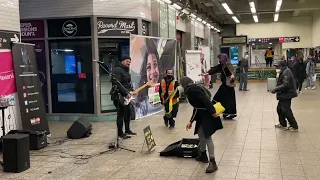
<point x="150" y="83"/>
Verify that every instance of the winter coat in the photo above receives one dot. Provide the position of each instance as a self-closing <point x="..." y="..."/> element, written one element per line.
<point x="299" y="70"/>
<point x="286" y="86"/>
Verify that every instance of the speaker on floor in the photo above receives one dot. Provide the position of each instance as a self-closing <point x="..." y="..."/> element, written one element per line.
<point x="16" y="153"/>
<point x="80" y="129"/>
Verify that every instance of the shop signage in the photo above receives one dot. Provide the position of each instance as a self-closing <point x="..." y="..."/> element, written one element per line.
<point x="6" y="37"/>
<point x="73" y="27"/>
<point x="234" y="40"/>
<point x="116" y="27"/>
<point x="145" y="28"/>
<point x="32" y="29"/>
<point x="32" y="109"/>
<point x="274" y="40"/>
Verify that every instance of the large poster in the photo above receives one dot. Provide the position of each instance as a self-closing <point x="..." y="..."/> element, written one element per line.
<point x="193" y="65"/>
<point x="32" y="110"/>
<point x="151" y="57"/>
<point x="205" y="65"/>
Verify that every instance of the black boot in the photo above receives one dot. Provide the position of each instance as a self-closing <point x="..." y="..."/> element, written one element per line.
<point x="203" y="157"/>
<point x="212" y="167"/>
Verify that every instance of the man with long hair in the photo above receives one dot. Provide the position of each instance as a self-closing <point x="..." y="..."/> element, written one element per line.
<point x="169" y="95"/>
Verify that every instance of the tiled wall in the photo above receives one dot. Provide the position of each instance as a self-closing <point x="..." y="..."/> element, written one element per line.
<point x="9" y="15"/>
<point x="54" y="8"/>
<point x="124" y="8"/>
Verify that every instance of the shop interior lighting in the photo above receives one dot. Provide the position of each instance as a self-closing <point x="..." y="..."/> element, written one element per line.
<point x="167" y="1"/>
<point x="278" y="5"/>
<point x="185" y="11"/>
<point x="255" y="18"/>
<point x="226" y="7"/>
<point x="193" y="16"/>
<point x="176" y="6"/>
<point x="199" y="19"/>
<point x="235" y="19"/>
<point x="276" y="17"/>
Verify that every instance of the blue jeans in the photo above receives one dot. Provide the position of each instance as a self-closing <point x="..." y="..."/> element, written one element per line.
<point x="243" y="80"/>
<point x="310" y="82"/>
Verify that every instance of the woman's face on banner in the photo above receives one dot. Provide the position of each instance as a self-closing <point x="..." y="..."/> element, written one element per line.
<point x="152" y="69"/>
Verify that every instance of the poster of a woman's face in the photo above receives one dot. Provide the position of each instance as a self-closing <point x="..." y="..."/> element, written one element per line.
<point x="149" y="62"/>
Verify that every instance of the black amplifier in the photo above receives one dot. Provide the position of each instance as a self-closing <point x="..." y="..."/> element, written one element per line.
<point x="37" y="139"/>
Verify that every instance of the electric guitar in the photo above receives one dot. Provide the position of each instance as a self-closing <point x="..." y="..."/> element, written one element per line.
<point x="126" y="101"/>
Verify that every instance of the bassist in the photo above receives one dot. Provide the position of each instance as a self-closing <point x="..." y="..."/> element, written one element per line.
<point x="125" y="89"/>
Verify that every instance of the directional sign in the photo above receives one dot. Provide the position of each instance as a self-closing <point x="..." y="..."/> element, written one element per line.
<point x="274" y="40"/>
<point x="289" y="39"/>
<point x="6" y="37"/>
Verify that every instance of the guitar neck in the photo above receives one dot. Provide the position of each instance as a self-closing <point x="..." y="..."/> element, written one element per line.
<point x="141" y="87"/>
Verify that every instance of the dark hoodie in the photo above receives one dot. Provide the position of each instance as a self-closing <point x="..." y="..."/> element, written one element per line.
<point x="299" y="70"/>
<point x="122" y="74"/>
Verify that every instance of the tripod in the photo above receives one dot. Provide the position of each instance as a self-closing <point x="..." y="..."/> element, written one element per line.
<point x="115" y="145"/>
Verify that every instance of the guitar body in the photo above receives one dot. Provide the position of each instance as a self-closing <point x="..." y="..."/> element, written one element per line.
<point x="125" y="101"/>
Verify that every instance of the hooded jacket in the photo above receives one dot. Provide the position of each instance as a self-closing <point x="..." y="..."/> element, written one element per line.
<point x="286" y="86"/>
<point x="122" y="74"/>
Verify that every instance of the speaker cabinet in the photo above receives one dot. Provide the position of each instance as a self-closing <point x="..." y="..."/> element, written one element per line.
<point x="80" y="129"/>
<point x="16" y="153"/>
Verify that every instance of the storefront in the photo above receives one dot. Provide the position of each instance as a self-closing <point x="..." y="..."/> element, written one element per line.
<point x="65" y="51"/>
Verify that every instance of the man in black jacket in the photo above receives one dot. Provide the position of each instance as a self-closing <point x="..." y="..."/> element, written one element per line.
<point x="286" y="91"/>
<point x="123" y="88"/>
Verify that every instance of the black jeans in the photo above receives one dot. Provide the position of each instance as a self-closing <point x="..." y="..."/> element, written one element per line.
<point x="123" y="115"/>
<point x="170" y="118"/>
<point x="299" y="83"/>
<point x="284" y="112"/>
<point x="269" y="62"/>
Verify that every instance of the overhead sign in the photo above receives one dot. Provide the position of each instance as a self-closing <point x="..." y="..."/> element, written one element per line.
<point x="116" y="27"/>
<point x="32" y="29"/>
<point x="6" y="37"/>
<point x="73" y="27"/>
<point x="234" y="40"/>
<point x="274" y="40"/>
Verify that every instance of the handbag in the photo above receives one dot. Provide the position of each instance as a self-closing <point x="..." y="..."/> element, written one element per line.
<point x="217" y="105"/>
<point x="229" y="81"/>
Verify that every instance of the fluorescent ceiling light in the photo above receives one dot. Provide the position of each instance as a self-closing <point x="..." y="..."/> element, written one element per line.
<point x="255" y="18"/>
<point x="278" y="6"/>
<point x="167" y="1"/>
<point x="199" y="19"/>
<point x="252" y="8"/>
<point x="276" y="17"/>
<point x="176" y="6"/>
<point x="204" y="22"/>
<point x="218" y="30"/>
<point x="226" y="7"/>
<point x="185" y="11"/>
<point x="235" y="19"/>
<point x="193" y="16"/>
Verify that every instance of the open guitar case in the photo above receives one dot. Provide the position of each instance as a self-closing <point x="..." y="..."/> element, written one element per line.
<point x="186" y="148"/>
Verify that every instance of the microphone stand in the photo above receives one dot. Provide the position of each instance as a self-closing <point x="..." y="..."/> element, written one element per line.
<point x="115" y="145"/>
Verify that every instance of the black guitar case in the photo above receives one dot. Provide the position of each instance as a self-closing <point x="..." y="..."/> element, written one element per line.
<point x="187" y="148"/>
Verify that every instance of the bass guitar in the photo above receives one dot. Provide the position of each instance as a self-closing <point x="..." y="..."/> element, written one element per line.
<point x="124" y="101"/>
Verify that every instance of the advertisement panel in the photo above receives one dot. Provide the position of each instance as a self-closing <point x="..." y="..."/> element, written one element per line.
<point x="151" y="57"/>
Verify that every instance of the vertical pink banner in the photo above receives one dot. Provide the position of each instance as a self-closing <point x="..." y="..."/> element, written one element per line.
<point x="7" y="81"/>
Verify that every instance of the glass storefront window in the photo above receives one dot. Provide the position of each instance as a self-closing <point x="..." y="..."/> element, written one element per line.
<point x="172" y="22"/>
<point x="71" y="76"/>
<point x="164" y="27"/>
<point x="111" y="51"/>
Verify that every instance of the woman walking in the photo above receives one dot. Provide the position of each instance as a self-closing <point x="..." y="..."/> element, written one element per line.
<point x="226" y="94"/>
<point x="207" y="121"/>
<point x="310" y="70"/>
<point x="299" y="73"/>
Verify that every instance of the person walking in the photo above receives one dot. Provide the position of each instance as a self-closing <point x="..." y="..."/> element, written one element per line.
<point x="207" y="121"/>
<point x="244" y="69"/>
<point x="310" y="70"/>
<point x="286" y="90"/>
<point x="269" y="55"/>
<point x="299" y="73"/>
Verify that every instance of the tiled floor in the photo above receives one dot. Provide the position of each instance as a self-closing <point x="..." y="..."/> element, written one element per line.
<point x="247" y="148"/>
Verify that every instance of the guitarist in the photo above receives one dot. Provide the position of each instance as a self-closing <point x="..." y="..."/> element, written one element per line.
<point x="168" y="89"/>
<point x="125" y="89"/>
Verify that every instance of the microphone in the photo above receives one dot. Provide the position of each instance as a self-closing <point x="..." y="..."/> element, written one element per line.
<point x="100" y="62"/>
<point x="103" y="66"/>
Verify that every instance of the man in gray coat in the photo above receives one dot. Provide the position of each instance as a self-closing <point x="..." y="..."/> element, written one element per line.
<point x="244" y="68"/>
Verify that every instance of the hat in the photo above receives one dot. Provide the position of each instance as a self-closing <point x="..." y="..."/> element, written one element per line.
<point x="124" y="58"/>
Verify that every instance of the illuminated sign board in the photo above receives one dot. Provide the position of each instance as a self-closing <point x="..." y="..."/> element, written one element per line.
<point x="234" y="40"/>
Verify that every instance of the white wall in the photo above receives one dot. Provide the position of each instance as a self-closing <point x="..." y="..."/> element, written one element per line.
<point x="54" y="8"/>
<point x="315" y="29"/>
<point x="199" y="29"/>
<point x="297" y="26"/>
<point x="123" y="8"/>
<point x="61" y="8"/>
<point x="9" y="15"/>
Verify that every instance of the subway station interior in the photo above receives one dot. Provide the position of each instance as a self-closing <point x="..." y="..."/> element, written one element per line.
<point x="110" y="90"/>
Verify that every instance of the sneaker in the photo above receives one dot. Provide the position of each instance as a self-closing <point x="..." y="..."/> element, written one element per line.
<point x="313" y="88"/>
<point x="124" y="136"/>
<point x="291" y="129"/>
<point x="300" y="92"/>
<point x="131" y="133"/>
<point x="246" y="90"/>
<point x="279" y="126"/>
